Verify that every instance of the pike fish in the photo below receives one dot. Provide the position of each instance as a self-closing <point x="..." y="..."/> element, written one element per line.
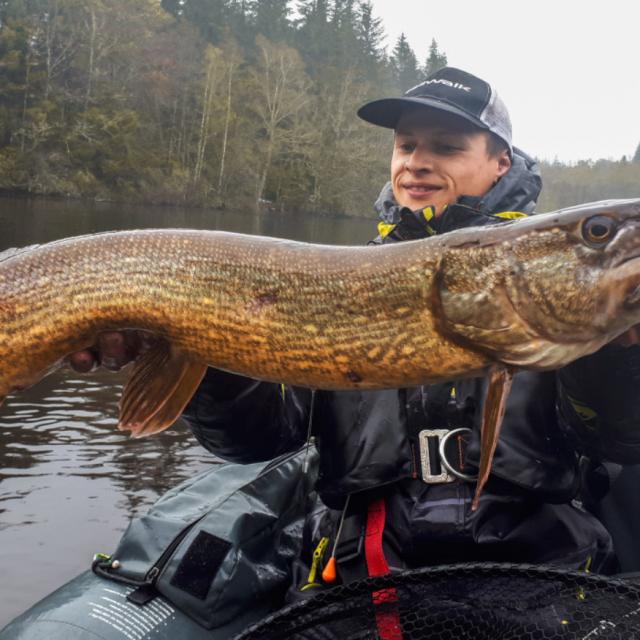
<point x="534" y="294"/>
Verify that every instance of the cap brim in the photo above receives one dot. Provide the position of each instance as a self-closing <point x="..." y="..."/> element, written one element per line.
<point x="387" y="112"/>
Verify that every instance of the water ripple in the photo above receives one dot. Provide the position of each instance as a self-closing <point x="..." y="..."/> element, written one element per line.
<point x="69" y="480"/>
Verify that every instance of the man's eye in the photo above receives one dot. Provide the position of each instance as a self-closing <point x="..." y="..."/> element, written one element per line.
<point x="448" y="148"/>
<point x="407" y="146"/>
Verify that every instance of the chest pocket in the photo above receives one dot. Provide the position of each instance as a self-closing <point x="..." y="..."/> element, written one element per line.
<point x="363" y="441"/>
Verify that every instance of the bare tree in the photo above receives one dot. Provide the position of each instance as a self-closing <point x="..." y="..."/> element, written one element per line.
<point x="58" y="46"/>
<point x="233" y="61"/>
<point x="283" y="88"/>
<point x="213" y="77"/>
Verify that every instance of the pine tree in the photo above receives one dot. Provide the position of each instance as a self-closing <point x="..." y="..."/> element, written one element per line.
<point x="343" y="13"/>
<point x="370" y="33"/>
<point x="174" y="7"/>
<point x="404" y="64"/>
<point x="314" y="33"/>
<point x="21" y="9"/>
<point x="311" y="10"/>
<point x="343" y="22"/>
<point x="271" y="18"/>
<point x="214" y="18"/>
<point x="435" y="60"/>
<point x="636" y="155"/>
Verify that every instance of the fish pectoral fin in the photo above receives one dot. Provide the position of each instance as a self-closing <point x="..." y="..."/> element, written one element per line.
<point x="500" y="379"/>
<point x="163" y="380"/>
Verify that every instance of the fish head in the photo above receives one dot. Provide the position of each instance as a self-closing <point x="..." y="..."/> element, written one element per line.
<point x="544" y="291"/>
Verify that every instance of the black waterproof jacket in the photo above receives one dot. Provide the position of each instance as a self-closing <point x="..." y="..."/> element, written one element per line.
<point x="368" y="440"/>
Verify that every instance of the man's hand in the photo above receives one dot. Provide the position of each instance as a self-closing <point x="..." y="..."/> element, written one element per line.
<point x="113" y="350"/>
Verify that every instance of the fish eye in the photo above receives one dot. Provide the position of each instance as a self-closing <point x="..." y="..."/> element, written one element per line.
<point x="598" y="230"/>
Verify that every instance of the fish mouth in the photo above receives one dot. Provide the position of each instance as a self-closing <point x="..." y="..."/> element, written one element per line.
<point x="626" y="259"/>
<point x="625" y="245"/>
<point x="632" y="299"/>
<point x="629" y="270"/>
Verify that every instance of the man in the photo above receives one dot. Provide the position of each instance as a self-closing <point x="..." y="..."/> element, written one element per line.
<point x="453" y="166"/>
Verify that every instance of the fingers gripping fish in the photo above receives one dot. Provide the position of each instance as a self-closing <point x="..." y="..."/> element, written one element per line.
<point x="533" y="294"/>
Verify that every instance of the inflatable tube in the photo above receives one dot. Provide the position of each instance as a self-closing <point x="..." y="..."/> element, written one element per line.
<point x="91" y="608"/>
<point x="248" y="518"/>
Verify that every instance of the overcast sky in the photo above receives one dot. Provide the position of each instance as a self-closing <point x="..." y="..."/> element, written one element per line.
<point x="568" y="70"/>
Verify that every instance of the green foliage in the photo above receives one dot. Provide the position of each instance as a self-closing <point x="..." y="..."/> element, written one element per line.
<point x="217" y="102"/>
<point x="405" y="65"/>
<point x="435" y="60"/>
<point x="209" y="102"/>
<point x="370" y="34"/>
<point x="213" y="18"/>
<point x="587" y="181"/>
<point x="270" y="18"/>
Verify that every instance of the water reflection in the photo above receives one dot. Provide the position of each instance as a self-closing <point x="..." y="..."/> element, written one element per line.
<point x="25" y="222"/>
<point x="69" y="481"/>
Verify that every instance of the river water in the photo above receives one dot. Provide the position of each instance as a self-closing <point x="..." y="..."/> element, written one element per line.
<point x="69" y="482"/>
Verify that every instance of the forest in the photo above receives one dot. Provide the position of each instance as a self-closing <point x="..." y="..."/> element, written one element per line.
<point x="217" y="103"/>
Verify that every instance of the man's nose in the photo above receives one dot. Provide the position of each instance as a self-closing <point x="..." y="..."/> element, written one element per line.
<point x="419" y="160"/>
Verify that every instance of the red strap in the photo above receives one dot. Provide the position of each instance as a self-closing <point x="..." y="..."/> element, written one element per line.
<point x="387" y="615"/>
<point x="376" y="562"/>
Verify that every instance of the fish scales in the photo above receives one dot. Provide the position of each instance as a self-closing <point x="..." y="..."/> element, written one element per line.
<point x="325" y="317"/>
<point x="536" y="294"/>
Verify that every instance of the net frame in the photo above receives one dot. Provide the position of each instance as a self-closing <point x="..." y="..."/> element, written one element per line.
<point x="475" y="601"/>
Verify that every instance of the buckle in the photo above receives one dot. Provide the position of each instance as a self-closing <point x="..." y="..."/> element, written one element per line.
<point x="436" y="469"/>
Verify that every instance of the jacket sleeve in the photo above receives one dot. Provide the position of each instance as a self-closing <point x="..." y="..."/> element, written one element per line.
<point x="244" y="420"/>
<point x="599" y="403"/>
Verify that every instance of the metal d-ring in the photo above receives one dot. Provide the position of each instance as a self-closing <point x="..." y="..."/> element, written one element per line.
<point x="443" y="457"/>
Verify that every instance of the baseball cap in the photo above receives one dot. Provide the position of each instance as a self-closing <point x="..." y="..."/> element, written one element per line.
<point x="453" y="91"/>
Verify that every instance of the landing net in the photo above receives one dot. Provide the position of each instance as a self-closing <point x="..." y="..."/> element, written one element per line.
<point x="464" y="602"/>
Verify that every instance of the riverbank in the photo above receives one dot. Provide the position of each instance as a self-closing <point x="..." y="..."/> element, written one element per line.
<point x="263" y="207"/>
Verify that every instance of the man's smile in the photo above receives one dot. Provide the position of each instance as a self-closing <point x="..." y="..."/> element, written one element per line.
<point x="419" y="191"/>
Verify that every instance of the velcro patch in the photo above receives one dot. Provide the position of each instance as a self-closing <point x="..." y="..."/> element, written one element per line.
<point x="200" y="564"/>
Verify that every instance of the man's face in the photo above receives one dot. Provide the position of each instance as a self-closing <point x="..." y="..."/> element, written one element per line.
<point x="437" y="158"/>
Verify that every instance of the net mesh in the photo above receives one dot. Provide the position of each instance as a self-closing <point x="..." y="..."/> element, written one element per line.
<point x="464" y="602"/>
